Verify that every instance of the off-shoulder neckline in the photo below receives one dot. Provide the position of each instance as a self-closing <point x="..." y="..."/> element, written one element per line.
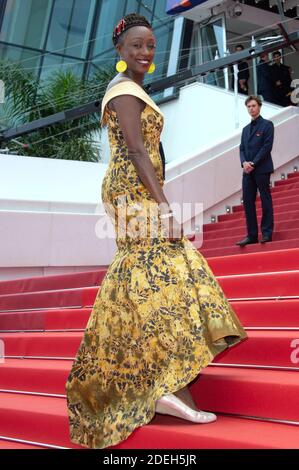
<point x="125" y="81"/>
<point x="146" y="105"/>
<point x="143" y="96"/>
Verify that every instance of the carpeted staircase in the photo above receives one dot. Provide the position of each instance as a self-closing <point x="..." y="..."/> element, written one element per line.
<point x="253" y="387"/>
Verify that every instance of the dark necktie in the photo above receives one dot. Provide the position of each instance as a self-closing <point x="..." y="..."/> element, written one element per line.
<point x="253" y="126"/>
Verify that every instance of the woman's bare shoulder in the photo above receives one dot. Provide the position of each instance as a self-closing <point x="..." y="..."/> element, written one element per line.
<point x="116" y="80"/>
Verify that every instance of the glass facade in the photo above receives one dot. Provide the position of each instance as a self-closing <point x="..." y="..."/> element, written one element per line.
<point x="44" y="35"/>
<point x="208" y="41"/>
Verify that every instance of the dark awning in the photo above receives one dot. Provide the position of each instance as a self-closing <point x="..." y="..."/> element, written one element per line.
<point x="177" y="6"/>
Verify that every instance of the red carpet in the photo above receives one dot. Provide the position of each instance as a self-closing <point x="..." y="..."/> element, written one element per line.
<point x="252" y="387"/>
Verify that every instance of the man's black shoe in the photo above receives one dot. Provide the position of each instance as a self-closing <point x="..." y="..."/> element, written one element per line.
<point x="247" y="241"/>
<point x="266" y="239"/>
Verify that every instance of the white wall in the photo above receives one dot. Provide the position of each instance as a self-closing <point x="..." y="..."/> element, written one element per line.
<point x="49" y="184"/>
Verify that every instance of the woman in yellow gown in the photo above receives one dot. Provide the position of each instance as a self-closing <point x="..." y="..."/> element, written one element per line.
<point x="159" y="316"/>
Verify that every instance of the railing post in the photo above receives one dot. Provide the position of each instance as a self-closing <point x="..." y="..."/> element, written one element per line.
<point x="235" y="67"/>
<point x="254" y="75"/>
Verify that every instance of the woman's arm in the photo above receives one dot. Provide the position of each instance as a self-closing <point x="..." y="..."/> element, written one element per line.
<point x="128" y="109"/>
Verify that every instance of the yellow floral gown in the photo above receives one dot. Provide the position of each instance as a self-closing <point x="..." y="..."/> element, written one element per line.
<point x="159" y="316"/>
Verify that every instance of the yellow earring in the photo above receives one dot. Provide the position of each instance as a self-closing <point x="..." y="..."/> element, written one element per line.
<point x="121" y="66"/>
<point x="152" y="68"/>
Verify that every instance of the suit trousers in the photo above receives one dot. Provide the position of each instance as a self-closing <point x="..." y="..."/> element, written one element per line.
<point x="250" y="183"/>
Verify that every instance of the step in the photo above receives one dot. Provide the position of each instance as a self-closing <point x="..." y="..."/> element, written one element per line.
<point x="269" y="348"/>
<point x="282" y="201"/>
<point x="290" y="186"/>
<point x="46" y="344"/>
<point x="44" y="419"/>
<point x="294" y="174"/>
<point x="268" y="313"/>
<point x="286" y="183"/>
<point x="73" y="297"/>
<point x="35" y="418"/>
<point x="283" y="229"/>
<point x="84" y="297"/>
<point x="231" y="239"/>
<point x="239" y="263"/>
<point x="280" y="209"/>
<point x="66" y="344"/>
<point x="6" y="444"/>
<point x="251" y="313"/>
<point x="52" y="282"/>
<point x="293" y="177"/>
<point x="53" y="319"/>
<point x="278" y="195"/>
<point x="277" y="348"/>
<point x="241" y="222"/>
<point x="257" y="247"/>
<point x="252" y="392"/>
<point x="44" y="376"/>
<point x="245" y="263"/>
<point x="49" y="378"/>
<point x="260" y="285"/>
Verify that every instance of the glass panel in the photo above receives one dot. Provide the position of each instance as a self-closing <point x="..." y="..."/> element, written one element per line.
<point x="163" y="30"/>
<point x="70" y="27"/>
<point x="146" y="9"/>
<point x="212" y="42"/>
<point x="52" y="61"/>
<point x="163" y="37"/>
<point x="132" y="6"/>
<point x="160" y="11"/>
<point x="93" y="68"/>
<point x="110" y="14"/>
<point x="25" y="22"/>
<point x="105" y="59"/>
<point x="29" y="60"/>
<point x="195" y="52"/>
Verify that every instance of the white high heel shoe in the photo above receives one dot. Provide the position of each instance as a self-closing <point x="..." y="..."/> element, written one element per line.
<point x="171" y="405"/>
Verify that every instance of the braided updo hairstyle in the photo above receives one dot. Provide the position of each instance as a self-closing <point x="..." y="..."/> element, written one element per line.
<point x="130" y="20"/>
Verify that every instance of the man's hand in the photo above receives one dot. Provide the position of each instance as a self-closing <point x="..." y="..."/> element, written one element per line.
<point x="247" y="167"/>
<point x="242" y="83"/>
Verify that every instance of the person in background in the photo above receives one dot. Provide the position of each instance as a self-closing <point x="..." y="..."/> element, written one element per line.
<point x="264" y="80"/>
<point x="243" y="73"/>
<point x="256" y="161"/>
<point x="281" y="79"/>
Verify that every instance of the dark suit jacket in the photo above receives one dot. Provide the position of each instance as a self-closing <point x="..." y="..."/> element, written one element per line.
<point x="243" y="74"/>
<point x="264" y="79"/>
<point x="256" y="147"/>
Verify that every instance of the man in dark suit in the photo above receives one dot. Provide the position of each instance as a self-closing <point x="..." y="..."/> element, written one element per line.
<point x="281" y="78"/>
<point x="256" y="161"/>
<point x="243" y="73"/>
<point x="264" y="78"/>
